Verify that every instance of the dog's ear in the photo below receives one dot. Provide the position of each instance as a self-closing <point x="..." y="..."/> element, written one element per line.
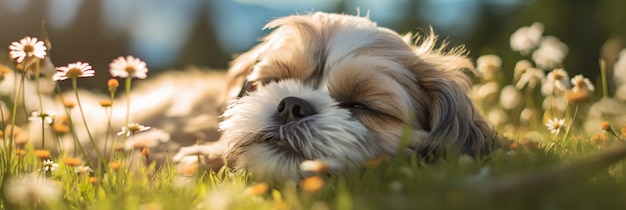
<point x="451" y="116"/>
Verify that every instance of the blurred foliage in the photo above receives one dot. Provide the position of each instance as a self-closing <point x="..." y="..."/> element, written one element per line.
<point x="591" y="29"/>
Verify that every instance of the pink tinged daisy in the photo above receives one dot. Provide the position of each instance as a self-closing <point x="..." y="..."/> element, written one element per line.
<point x="128" y="66"/>
<point x="73" y="71"/>
<point x="555" y="126"/>
<point x="132" y="128"/>
<point x="27" y="48"/>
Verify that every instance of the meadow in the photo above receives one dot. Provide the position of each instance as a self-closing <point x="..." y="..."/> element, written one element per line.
<point x="563" y="148"/>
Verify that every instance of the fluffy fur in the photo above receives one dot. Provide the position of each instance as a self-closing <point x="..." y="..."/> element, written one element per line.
<point x="365" y="84"/>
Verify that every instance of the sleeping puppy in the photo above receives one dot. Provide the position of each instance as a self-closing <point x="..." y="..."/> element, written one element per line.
<point x="340" y="89"/>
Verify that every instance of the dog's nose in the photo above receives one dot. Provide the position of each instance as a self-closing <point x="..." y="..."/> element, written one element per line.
<point x="294" y="108"/>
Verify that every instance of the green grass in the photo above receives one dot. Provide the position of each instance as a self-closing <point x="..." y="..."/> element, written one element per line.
<point x="447" y="183"/>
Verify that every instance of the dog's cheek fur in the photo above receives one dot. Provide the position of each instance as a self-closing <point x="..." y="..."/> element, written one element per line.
<point x="331" y="135"/>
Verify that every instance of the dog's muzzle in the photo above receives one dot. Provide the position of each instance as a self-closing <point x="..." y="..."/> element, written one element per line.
<point x="294" y="108"/>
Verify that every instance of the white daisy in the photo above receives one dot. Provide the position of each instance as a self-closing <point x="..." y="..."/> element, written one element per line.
<point x="73" y="70"/>
<point x="510" y="97"/>
<point x="46" y="117"/>
<point x="520" y="68"/>
<point x="557" y="80"/>
<point x="83" y="169"/>
<point x="555" y="126"/>
<point x="49" y="165"/>
<point x="128" y="66"/>
<point x="27" y="47"/>
<point x="530" y="78"/>
<point x="132" y="128"/>
<point x="488" y="65"/>
<point x="581" y="84"/>
<point x="551" y="52"/>
<point x="151" y="138"/>
<point x="554" y="103"/>
<point x="526" y="38"/>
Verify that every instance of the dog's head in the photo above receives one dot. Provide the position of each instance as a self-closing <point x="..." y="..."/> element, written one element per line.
<point x="340" y="89"/>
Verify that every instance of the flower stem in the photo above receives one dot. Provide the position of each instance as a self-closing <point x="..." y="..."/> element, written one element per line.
<point x="605" y="88"/>
<point x="82" y="114"/>
<point x="71" y="123"/>
<point x="127" y="89"/>
<point x="14" y="111"/>
<point x="109" y="112"/>
<point x="41" y="112"/>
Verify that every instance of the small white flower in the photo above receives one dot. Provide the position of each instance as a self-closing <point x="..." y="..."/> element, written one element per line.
<point x="27" y="47"/>
<point x="520" y="68"/>
<point x="605" y="107"/>
<point x="527" y="114"/>
<point x="554" y="103"/>
<point x="73" y="70"/>
<point x="556" y="81"/>
<point x="555" y="126"/>
<point x="38" y="116"/>
<point x="497" y="117"/>
<point x="128" y="66"/>
<point x="83" y="169"/>
<point x="49" y="165"/>
<point x="151" y="138"/>
<point x="488" y="90"/>
<point x="551" y="52"/>
<point x="526" y="38"/>
<point x="581" y="84"/>
<point x="510" y="97"/>
<point x="530" y="78"/>
<point x="488" y="65"/>
<point x="31" y="189"/>
<point x="132" y="128"/>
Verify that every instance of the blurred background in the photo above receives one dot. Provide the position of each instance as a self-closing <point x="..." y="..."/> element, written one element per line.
<point x="208" y="33"/>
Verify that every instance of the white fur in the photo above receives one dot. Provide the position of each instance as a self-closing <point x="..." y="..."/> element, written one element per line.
<point x="331" y="135"/>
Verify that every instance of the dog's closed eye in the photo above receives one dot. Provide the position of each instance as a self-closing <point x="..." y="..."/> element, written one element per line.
<point x="353" y="106"/>
<point x="359" y="108"/>
<point x="249" y="86"/>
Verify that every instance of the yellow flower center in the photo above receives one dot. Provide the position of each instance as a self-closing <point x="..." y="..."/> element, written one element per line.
<point x="130" y="69"/>
<point x="74" y="73"/>
<point x="558" y="76"/>
<point x="29" y="48"/>
<point x="580" y="83"/>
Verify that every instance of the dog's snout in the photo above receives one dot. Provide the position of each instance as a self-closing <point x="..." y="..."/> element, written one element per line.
<point x="294" y="108"/>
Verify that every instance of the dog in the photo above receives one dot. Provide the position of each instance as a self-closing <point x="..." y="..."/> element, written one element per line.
<point x="340" y="89"/>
